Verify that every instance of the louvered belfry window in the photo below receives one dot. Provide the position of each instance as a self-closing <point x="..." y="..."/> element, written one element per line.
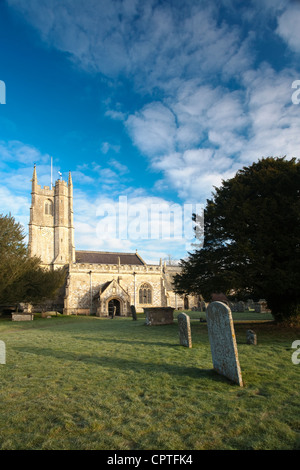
<point x="49" y="207"/>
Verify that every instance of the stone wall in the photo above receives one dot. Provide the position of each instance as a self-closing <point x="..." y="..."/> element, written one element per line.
<point x="86" y="282"/>
<point x="51" y="231"/>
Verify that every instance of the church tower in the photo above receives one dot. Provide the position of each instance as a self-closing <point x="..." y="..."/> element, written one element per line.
<point x="51" y="230"/>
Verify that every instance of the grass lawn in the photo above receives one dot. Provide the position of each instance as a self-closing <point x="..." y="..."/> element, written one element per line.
<point x="90" y="383"/>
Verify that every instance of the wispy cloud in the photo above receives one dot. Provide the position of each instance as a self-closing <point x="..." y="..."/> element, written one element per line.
<point x="209" y="98"/>
<point x="288" y="26"/>
<point x="107" y="147"/>
<point x="153" y="129"/>
<point x="152" y="42"/>
<point x="23" y="153"/>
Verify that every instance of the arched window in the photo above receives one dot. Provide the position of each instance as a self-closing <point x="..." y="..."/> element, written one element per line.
<point x="145" y="294"/>
<point x="49" y="207"/>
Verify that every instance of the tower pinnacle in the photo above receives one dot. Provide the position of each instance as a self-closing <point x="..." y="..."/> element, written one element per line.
<point x="34" y="179"/>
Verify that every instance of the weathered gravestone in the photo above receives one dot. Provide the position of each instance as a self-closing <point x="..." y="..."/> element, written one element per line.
<point x="17" y="316"/>
<point x="223" y="342"/>
<point x="113" y="314"/>
<point x="261" y="306"/>
<point x="133" y="312"/>
<point x="158" y="315"/>
<point x="184" y="326"/>
<point x="2" y="353"/>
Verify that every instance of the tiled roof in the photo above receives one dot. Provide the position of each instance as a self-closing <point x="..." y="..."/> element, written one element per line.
<point x="103" y="257"/>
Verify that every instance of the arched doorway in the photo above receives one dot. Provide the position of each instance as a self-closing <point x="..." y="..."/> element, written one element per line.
<point x="186" y="303"/>
<point x="114" y="307"/>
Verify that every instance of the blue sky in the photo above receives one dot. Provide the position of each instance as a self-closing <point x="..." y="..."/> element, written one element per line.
<point x="152" y="101"/>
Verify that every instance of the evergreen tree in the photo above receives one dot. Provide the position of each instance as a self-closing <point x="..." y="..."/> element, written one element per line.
<point x="251" y="239"/>
<point x="21" y="277"/>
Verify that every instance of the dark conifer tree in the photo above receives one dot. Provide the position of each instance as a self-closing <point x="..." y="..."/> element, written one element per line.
<point x="251" y="239"/>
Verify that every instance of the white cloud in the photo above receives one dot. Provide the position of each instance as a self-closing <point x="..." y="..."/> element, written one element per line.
<point x="106" y="147"/>
<point x="211" y="132"/>
<point x="128" y="223"/>
<point x="151" y="42"/>
<point x="116" y="115"/>
<point x="15" y="151"/>
<point x="82" y="178"/>
<point x="194" y="172"/>
<point x="17" y="206"/>
<point x="288" y="26"/>
<point x="212" y="107"/>
<point x="275" y="120"/>
<point x="17" y="162"/>
<point x="153" y="129"/>
<point x="122" y="169"/>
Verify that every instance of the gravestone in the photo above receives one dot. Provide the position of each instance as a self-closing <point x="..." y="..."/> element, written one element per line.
<point x="223" y="342"/>
<point x="261" y="306"/>
<point x="114" y="312"/>
<point x="16" y="316"/>
<point x="184" y="326"/>
<point x="133" y="312"/>
<point x="158" y="315"/>
<point x="257" y="307"/>
<point x="2" y="353"/>
<point x="251" y="337"/>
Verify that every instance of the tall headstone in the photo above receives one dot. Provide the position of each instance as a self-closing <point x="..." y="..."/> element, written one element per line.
<point x="184" y="326"/>
<point x="2" y="353"/>
<point x="114" y="312"/>
<point x="133" y="312"/>
<point x="223" y="342"/>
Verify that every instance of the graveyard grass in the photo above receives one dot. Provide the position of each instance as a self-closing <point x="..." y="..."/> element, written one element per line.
<point x="90" y="383"/>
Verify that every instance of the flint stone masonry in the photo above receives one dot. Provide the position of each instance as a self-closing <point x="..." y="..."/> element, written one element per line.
<point x="22" y="316"/>
<point x="223" y="342"/>
<point x="184" y="326"/>
<point x="159" y="315"/>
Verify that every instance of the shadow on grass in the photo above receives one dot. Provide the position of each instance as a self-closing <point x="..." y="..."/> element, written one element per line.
<point x="127" y="341"/>
<point x="124" y="365"/>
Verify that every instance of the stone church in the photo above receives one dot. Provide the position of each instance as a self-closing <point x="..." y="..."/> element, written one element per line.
<point x="98" y="283"/>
